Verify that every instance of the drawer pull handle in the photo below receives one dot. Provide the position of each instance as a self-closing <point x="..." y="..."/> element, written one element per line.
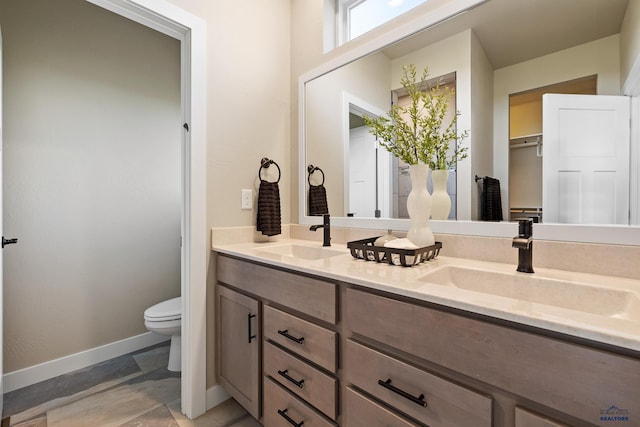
<point x="283" y="414"/>
<point x="249" y="334"/>
<point x="285" y="374"/>
<point x="285" y="333"/>
<point x="419" y="400"/>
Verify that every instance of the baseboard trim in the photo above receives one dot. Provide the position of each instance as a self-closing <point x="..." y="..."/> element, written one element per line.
<point x="216" y="395"/>
<point x="53" y="368"/>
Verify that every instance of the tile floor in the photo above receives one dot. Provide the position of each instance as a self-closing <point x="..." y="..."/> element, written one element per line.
<point x="134" y="390"/>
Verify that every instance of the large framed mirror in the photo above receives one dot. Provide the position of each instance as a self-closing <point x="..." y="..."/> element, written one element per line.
<point x="503" y="56"/>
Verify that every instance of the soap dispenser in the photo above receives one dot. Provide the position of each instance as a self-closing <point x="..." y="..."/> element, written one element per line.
<point x="380" y="241"/>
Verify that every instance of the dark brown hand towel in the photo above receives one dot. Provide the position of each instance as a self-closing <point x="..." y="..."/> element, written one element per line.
<point x="269" y="220"/>
<point x="490" y="200"/>
<point x="318" y="200"/>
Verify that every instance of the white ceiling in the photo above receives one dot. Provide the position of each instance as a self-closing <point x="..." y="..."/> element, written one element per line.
<point x="513" y="31"/>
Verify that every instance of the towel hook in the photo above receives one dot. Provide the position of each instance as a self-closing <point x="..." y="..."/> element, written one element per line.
<point x="265" y="163"/>
<point x="311" y="169"/>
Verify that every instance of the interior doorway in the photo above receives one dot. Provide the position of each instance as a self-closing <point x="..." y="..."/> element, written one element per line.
<point x="367" y="179"/>
<point x="190" y="31"/>
<point x="526" y="143"/>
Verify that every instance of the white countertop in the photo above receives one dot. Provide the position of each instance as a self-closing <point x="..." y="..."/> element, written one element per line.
<point x="618" y="329"/>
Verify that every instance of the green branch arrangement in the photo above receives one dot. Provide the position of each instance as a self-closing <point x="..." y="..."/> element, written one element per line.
<point x="418" y="133"/>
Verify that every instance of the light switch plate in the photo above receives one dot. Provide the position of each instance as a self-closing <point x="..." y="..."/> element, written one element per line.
<point x="247" y="199"/>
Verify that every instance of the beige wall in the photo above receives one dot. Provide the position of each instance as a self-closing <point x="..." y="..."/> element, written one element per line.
<point x="248" y="101"/>
<point x="630" y="39"/>
<point x="325" y="112"/>
<point x="525" y="119"/>
<point x="249" y="113"/>
<point x="91" y="177"/>
<point x="481" y="120"/>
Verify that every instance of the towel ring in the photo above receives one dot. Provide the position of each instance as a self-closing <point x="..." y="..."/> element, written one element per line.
<point x="265" y="163"/>
<point x="311" y="169"/>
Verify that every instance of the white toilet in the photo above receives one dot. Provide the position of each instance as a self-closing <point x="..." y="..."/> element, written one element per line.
<point x="165" y="318"/>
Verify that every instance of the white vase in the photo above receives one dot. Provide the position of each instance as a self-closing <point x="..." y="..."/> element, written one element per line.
<point x="419" y="207"/>
<point x="440" y="200"/>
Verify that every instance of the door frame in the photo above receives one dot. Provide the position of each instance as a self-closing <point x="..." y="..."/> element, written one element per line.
<point x="191" y="31"/>
<point x="351" y="103"/>
<point x="1" y="234"/>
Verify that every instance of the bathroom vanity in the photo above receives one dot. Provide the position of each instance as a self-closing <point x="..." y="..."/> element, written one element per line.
<point x="322" y="339"/>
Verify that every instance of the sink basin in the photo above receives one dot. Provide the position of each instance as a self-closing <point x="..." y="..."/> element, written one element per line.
<point x="602" y="301"/>
<point x="293" y="250"/>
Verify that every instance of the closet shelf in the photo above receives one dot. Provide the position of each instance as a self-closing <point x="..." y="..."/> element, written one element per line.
<point x="526" y="141"/>
<point x="533" y="135"/>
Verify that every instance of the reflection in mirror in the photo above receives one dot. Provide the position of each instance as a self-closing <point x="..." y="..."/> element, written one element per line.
<point x="317" y="192"/>
<point x="525" y="145"/>
<point x="377" y="183"/>
<point x="368" y="182"/>
<point x="501" y="53"/>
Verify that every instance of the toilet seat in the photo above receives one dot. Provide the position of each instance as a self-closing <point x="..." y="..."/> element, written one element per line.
<point x="164" y="311"/>
<point x="165" y="318"/>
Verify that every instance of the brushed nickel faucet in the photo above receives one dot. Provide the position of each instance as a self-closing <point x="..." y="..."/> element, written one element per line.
<point x="326" y="225"/>
<point x="524" y="242"/>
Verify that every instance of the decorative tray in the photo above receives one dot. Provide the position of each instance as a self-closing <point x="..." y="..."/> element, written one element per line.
<point x="364" y="249"/>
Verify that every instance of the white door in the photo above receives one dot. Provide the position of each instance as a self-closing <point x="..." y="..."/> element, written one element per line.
<point x="362" y="173"/>
<point x="368" y="162"/>
<point x="585" y="163"/>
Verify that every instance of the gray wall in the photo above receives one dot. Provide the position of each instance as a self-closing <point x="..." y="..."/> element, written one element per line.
<point x="91" y="177"/>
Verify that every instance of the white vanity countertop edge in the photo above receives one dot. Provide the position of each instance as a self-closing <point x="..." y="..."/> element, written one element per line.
<point x="406" y="281"/>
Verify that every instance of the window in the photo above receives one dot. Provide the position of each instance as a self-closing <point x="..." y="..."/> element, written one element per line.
<point x="356" y="17"/>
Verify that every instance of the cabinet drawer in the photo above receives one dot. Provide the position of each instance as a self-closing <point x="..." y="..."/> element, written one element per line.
<point x="314" y="386"/>
<point x="550" y="371"/>
<point x="282" y="409"/>
<point x="311" y="341"/>
<point x="524" y="418"/>
<point x="307" y="295"/>
<point x="401" y="386"/>
<point x="362" y="412"/>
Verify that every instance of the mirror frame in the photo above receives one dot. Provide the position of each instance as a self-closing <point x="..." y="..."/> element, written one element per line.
<point x="603" y="234"/>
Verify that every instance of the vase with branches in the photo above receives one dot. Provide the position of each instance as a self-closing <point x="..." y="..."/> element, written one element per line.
<point x="421" y="135"/>
<point x="419" y="132"/>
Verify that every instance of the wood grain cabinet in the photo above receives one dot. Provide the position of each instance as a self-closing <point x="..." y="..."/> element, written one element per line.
<point x="576" y="382"/>
<point x="526" y="418"/>
<point x="299" y="339"/>
<point x="306" y="339"/>
<point x="295" y="349"/>
<point x="302" y="379"/>
<point x="239" y="358"/>
<point x="360" y="411"/>
<point x="283" y="409"/>
<point x="427" y="398"/>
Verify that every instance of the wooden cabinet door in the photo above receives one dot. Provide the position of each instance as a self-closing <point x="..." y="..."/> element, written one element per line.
<point x="364" y="412"/>
<point x="525" y="418"/>
<point x="239" y="351"/>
